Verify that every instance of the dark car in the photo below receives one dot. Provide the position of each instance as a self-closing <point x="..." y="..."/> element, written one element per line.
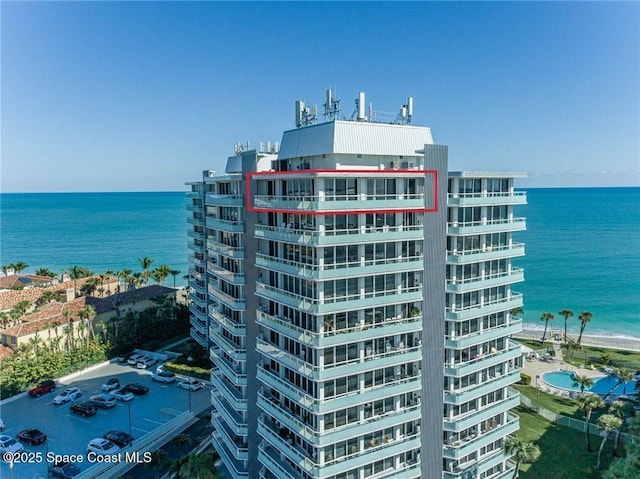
<point x="43" y="387"/>
<point x="119" y="438"/>
<point x="136" y="388"/>
<point x="83" y="408"/>
<point x="32" y="436"/>
<point x="65" y="470"/>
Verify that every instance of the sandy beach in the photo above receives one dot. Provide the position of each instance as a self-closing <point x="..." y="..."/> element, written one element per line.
<point x="627" y="343"/>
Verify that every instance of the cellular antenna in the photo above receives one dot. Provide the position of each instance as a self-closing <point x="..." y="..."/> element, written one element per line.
<point x="331" y="106"/>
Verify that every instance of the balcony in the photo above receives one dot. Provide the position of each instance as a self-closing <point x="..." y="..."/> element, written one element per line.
<point x="485" y="254"/>
<point x="236" y="328"/>
<point x="392" y="357"/>
<point x="485" y="463"/>
<point x="232" y="371"/>
<point x="271" y="459"/>
<point x="220" y="383"/>
<point x="482" y="362"/>
<point x="230" y="277"/>
<point x="462" y="448"/>
<point x="461" y="313"/>
<point x="331" y="337"/>
<point x="214" y="247"/>
<point x="486" y="226"/>
<point x="236" y="352"/>
<point x="195" y="221"/>
<point x="487" y="198"/>
<point x="234" y="443"/>
<point x="234" y="421"/>
<point x="351" y="235"/>
<point x="200" y="339"/>
<point x="473" y="418"/>
<point x="333" y="305"/>
<point x="297" y="425"/>
<point x="340" y="270"/>
<point x="354" y="202"/>
<point x="393" y="387"/>
<point x="237" y="304"/>
<point x="231" y="226"/>
<point x="492" y="383"/>
<point x="212" y="199"/>
<point x="477" y="337"/>
<point x="464" y="285"/>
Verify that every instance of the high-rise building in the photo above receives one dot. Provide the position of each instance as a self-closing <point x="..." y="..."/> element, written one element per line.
<point x="348" y="302"/>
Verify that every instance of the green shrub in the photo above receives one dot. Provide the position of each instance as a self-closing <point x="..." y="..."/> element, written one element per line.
<point x="525" y="379"/>
<point x="186" y="370"/>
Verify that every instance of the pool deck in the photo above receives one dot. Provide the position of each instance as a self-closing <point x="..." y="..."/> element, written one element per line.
<point x="535" y="367"/>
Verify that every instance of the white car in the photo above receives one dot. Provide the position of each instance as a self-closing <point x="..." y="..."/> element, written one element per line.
<point x="191" y="384"/>
<point x="69" y="394"/>
<point x="133" y="359"/>
<point x="122" y="395"/>
<point x="102" y="446"/>
<point x="164" y="377"/>
<point x="146" y="362"/>
<point x="110" y="385"/>
<point x="9" y="444"/>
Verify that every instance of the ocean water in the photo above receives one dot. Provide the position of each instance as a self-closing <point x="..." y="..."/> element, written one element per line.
<point x="582" y="245"/>
<point x="583" y="253"/>
<point x="100" y="231"/>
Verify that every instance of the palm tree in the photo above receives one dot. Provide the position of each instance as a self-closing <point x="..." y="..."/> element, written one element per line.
<point x="566" y="313"/>
<point x="585" y="317"/>
<point x="159" y="459"/>
<point x="75" y="273"/>
<point x="607" y="423"/>
<point x="174" y="273"/>
<point x="46" y="272"/>
<point x="124" y="275"/>
<point x="546" y="317"/>
<point x="522" y="452"/>
<point x="589" y="403"/>
<point x="19" y="267"/>
<point x="161" y="273"/>
<point x="182" y="440"/>
<point x="583" y="381"/>
<point x="46" y="297"/>
<point x="619" y="409"/>
<point x="146" y="264"/>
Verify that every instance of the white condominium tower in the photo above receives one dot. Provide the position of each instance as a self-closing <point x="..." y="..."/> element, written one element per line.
<point x="357" y="315"/>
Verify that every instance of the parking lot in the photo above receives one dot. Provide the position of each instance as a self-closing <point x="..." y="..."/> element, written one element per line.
<point x="68" y="434"/>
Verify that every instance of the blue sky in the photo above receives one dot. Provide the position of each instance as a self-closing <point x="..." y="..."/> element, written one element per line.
<point x="118" y="96"/>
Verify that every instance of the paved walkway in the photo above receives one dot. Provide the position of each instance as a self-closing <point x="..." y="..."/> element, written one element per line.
<point x="535" y="367"/>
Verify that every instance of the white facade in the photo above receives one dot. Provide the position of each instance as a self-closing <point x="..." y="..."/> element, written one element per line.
<point x="318" y="284"/>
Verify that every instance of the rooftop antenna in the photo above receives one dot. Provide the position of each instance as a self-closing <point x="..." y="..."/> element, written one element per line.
<point x="331" y="107"/>
<point x="305" y="116"/>
<point x="359" y="111"/>
<point x="406" y="113"/>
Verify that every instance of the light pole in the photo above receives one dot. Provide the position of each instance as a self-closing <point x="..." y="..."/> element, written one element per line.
<point x="129" y="408"/>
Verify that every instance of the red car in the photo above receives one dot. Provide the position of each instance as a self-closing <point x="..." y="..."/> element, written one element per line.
<point x="32" y="436"/>
<point x="42" y="388"/>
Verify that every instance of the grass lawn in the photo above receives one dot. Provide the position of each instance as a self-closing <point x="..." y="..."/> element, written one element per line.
<point x="558" y="404"/>
<point x="563" y="452"/>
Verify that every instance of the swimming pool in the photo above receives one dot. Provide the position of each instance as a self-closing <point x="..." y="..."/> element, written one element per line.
<point x="602" y="384"/>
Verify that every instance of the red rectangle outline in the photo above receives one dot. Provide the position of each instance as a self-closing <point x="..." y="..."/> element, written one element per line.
<point x="252" y="208"/>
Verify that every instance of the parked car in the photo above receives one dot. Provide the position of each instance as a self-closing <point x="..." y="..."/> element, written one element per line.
<point x="32" y="436"/>
<point x="136" y="388"/>
<point x="146" y="362"/>
<point x="133" y="358"/>
<point x="83" y="408"/>
<point x="191" y="384"/>
<point x="124" y="357"/>
<point x="103" y="401"/>
<point x="43" y="387"/>
<point x="64" y="470"/>
<point x="102" y="446"/>
<point x="9" y="444"/>
<point x="164" y="377"/>
<point x="122" y="395"/>
<point x="69" y="394"/>
<point x="119" y="438"/>
<point x="110" y="385"/>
